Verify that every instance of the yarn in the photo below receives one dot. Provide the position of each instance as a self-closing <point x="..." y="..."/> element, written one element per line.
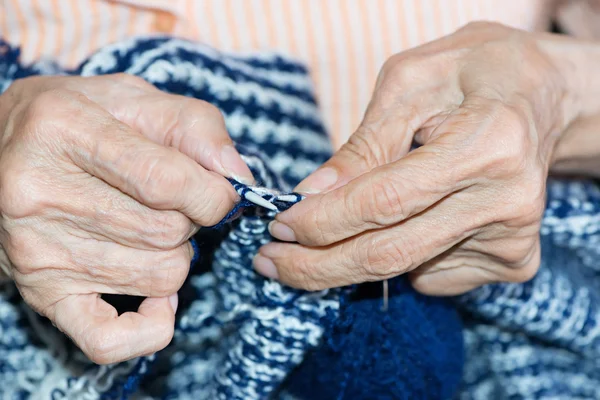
<point x="237" y="334"/>
<point x="241" y="336"/>
<point x="541" y="339"/>
<point x="537" y="340"/>
<point x="402" y="361"/>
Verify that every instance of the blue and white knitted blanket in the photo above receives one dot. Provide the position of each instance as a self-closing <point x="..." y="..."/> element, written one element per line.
<point x="541" y="339"/>
<point x="239" y="336"/>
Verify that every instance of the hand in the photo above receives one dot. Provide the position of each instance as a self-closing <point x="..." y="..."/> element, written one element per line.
<point x="102" y="182"/>
<point x="488" y="104"/>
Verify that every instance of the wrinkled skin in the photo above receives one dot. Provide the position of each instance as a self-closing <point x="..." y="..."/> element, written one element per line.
<point x="102" y="182"/>
<point x="490" y="106"/>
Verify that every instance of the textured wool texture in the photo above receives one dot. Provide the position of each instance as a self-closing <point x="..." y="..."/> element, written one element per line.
<point x="536" y="340"/>
<point x="239" y="335"/>
<point x="541" y="339"/>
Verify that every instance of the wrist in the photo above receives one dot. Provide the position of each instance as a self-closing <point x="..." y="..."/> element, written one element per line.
<point x="576" y="62"/>
<point x="577" y="149"/>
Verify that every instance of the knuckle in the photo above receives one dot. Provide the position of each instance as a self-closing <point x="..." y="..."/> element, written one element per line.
<point x="160" y="180"/>
<point x="385" y="258"/>
<point x="187" y="114"/>
<point x="29" y="255"/>
<point x="20" y="193"/>
<point x="525" y="251"/>
<point x="527" y="271"/>
<point x="19" y="250"/>
<point x="533" y="203"/>
<point x="43" y="107"/>
<point x="511" y="130"/>
<point x="402" y="69"/>
<point x="212" y="112"/>
<point x="132" y="80"/>
<point x="169" y="230"/>
<point x="18" y="86"/>
<point x="24" y="87"/>
<point x="383" y="205"/>
<point x="100" y="347"/>
<point x="316" y="226"/>
<point x="218" y="201"/>
<point x="302" y="274"/>
<point x="48" y="116"/>
<point x="210" y="117"/>
<point x="478" y="26"/>
<point x="170" y="272"/>
<point x="525" y="205"/>
<point x="362" y="148"/>
<point x="193" y="112"/>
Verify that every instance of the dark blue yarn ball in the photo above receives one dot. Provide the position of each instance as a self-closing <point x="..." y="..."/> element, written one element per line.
<point x="414" y="350"/>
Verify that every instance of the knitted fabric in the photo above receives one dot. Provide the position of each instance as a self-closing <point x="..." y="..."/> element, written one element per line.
<point x="404" y="361"/>
<point x="239" y="335"/>
<point x="537" y="340"/>
<point x="541" y="339"/>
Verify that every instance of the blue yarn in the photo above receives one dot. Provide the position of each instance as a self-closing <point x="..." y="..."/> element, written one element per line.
<point x="244" y="203"/>
<point x="240" y="336"/>
<point x="227" y="296"/>
<point x="411" y="351"/>
<point x="541" y="339"/>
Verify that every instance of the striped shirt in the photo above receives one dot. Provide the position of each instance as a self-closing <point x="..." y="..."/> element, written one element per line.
<point x="344" y="42"/>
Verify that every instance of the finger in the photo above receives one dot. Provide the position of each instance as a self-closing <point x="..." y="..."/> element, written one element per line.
<point x="106" y="214"/>
<point x="454" y="272"/>
<point x="410" y="92"/>
<point x="106" y="337"/>
<point x="139" y="272"/>
<point x="456" y="156"/>
<point x="110" y="268"/>
<point x="375" y="255"/>
<point x="194" y="127"/>
<point x="381" y="198"/>
<point x="159" y="177"/>
<point x="100" y="267"/>
<point x="460" y="270"/>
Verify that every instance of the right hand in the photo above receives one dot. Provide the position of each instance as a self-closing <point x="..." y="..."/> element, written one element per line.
<point x="102" y="182"/>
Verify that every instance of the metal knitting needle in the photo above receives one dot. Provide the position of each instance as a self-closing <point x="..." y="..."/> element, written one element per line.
<point x="385" y="295"/>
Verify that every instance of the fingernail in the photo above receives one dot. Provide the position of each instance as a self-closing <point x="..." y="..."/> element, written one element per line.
<point x="265" y="267"/>
<point x="233" y="164"/>
<point x="174" y="300"/>
<point x="319" y="181"/>
<point x="281" y="231"/>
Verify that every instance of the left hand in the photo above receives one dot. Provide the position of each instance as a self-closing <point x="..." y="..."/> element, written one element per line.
<point x="489" y="105"/>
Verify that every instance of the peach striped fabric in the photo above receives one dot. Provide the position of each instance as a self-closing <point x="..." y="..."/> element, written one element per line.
<point x="343" y="41"/>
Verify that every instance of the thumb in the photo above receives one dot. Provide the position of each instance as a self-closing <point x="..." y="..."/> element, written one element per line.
<point x="195" y="128"/>
<point x="375" y="143"/>
<point x="106" y="337"/>
<point x="192" y="126"/>
<point x="410" y="94"/>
